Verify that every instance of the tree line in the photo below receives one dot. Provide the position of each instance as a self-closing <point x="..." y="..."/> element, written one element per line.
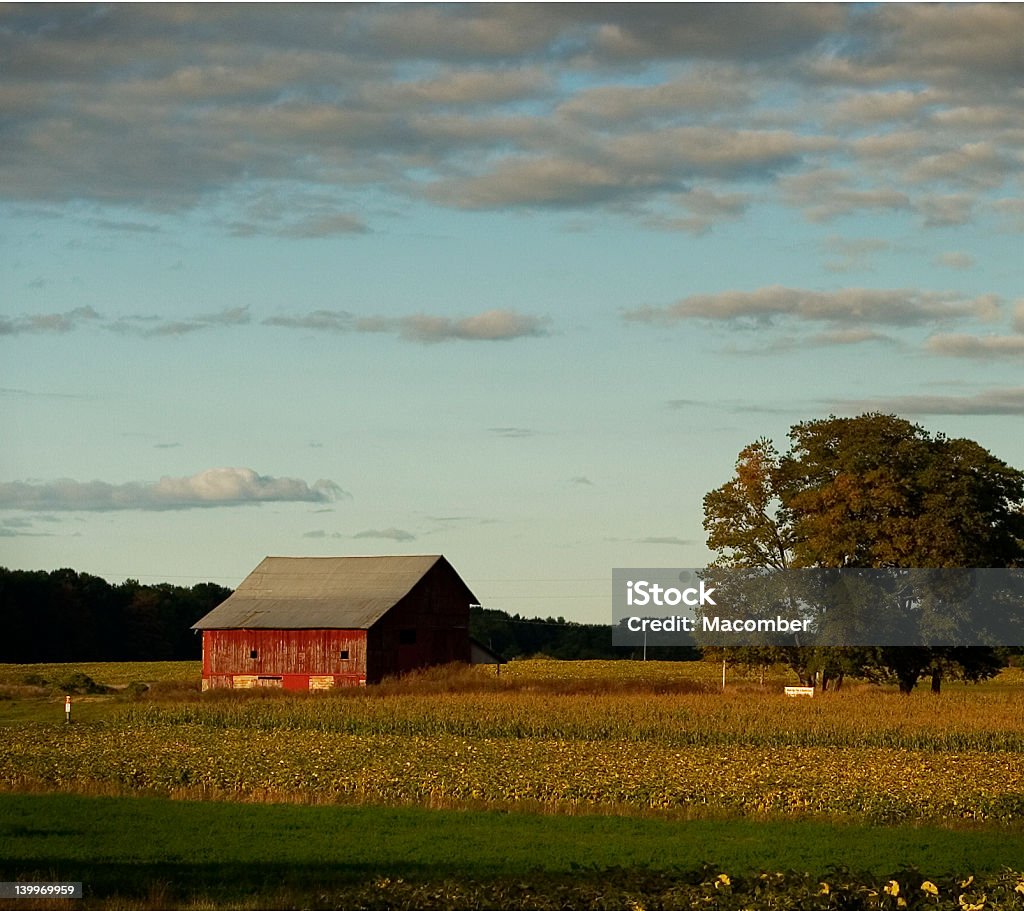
<point x="66" y="615"/>
<point x="513" y="636"/>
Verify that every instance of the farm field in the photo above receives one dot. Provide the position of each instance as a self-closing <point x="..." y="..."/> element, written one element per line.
<point x="567" y="765"/>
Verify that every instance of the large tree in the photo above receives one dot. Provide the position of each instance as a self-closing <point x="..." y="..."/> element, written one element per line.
<point x="871" y="491"/>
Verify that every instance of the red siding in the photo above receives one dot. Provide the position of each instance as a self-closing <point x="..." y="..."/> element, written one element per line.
<point x="291" y="654"/>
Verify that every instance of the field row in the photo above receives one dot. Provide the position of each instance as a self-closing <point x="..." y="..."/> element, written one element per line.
<point x="955" y="722"/>
<point x="883" y="785"/>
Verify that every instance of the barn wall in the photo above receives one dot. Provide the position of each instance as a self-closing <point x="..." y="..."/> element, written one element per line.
<point x="437" y="610"/>
<point x="293" y="655"/>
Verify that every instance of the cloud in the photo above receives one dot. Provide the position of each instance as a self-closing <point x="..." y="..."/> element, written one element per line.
<point x="31" y="393"/>
<point x="458" y="88"/>
<point x="665" y="540"/>
<point x="846" y="307"/>
<point x="1012" y="212"/>
<point x="512" y="432"/>
<point x="826" y="194"/>
<point x="328" y="224"/>
<point x="975" y="164"/>
<point x="490" y="325"/>
<point x="955" y="259"/>
<point x="1009" y="402"/>
<point x="931" y="42"/>
<point x="705" y="209"/>
<point x="22" y="528"/>
<point x="318" y="320"/>
<point x="318" y="121"/>
<point x="48" y="322"/>
<point x="151" y="326"/>
<point x="634" y="166"/>
<point x="981" y="347"/>
<point x="211" y="488"/>
<point x="853" y="253"/>
<point x="709" y="90"/>
<point x="722" y="31"/>
<point x="332" y="109"/>
<point x="848" y="337"/>
<point x="154" y="327"/>
<point x="390" y="534"/>
<point x="882" y="107"/>
<point x="951" y="210"/>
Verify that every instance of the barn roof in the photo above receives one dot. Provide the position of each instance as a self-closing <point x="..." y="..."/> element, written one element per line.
<point x="319" y="592"/>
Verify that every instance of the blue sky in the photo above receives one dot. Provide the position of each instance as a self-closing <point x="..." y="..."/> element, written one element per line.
<point x="514" y="284"/>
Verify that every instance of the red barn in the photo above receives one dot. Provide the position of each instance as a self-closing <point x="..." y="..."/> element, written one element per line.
<point x="318" y="622"/>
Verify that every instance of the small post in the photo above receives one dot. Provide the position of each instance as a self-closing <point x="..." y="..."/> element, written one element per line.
<point x="723" y="675"/>
<point x="67" y="710"/>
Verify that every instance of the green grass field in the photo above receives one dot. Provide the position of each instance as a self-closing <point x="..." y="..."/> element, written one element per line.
<point x="224" y="852"/>
<point x="597" y="784"/>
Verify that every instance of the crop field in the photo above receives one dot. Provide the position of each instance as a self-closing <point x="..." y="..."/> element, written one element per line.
<point x="647" y="740"/>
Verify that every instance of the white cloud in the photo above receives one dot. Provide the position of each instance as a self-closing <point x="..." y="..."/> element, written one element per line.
<point x="846" y="307"/>
<point x="667" y="539"/>
<point x="488" y="326"/>
<point x="1009" y="402"/>
<point x="611" y="106"/>
<point x="389" y="534"/>
<point x="955" y="259"/>
<point x="211" y="488"/>
<point x="981" y="347"/>
<point x="48" y="322"/>
<point x="512" y="433"/>
<point x="949" y="210"/>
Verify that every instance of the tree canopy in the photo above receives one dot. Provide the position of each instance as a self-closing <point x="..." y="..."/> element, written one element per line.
<point x="65" y="615"/>
<point x="870" y="491"/>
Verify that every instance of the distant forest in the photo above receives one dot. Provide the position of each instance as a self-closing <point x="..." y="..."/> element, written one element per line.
<point x="513" y="636"/>
<point x="70" y="616"/>
<point x="65" y="615"/>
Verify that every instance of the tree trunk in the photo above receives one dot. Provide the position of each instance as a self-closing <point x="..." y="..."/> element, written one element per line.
<point x="907" y="681"/>
<point x="937" y="680"/>
<point x="839" y="682"/>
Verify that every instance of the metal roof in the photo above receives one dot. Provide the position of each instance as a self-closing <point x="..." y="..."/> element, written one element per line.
<point x="319" y="592"/>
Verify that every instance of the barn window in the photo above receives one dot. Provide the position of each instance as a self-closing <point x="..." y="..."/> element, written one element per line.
<point x="343" y="654"/>
<point x="253" y="653"/>
<point x="407" y="637"/>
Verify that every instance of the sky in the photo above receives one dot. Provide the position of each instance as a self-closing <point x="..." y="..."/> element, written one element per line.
<point x="512" y="284"/>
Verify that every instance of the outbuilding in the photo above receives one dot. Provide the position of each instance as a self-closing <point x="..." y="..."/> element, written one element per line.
<point x="319" y="622"/>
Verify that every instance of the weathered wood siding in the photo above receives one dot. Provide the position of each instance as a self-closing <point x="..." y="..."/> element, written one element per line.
<point x="435" y="615"/>
<point x="293" y="655"/>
